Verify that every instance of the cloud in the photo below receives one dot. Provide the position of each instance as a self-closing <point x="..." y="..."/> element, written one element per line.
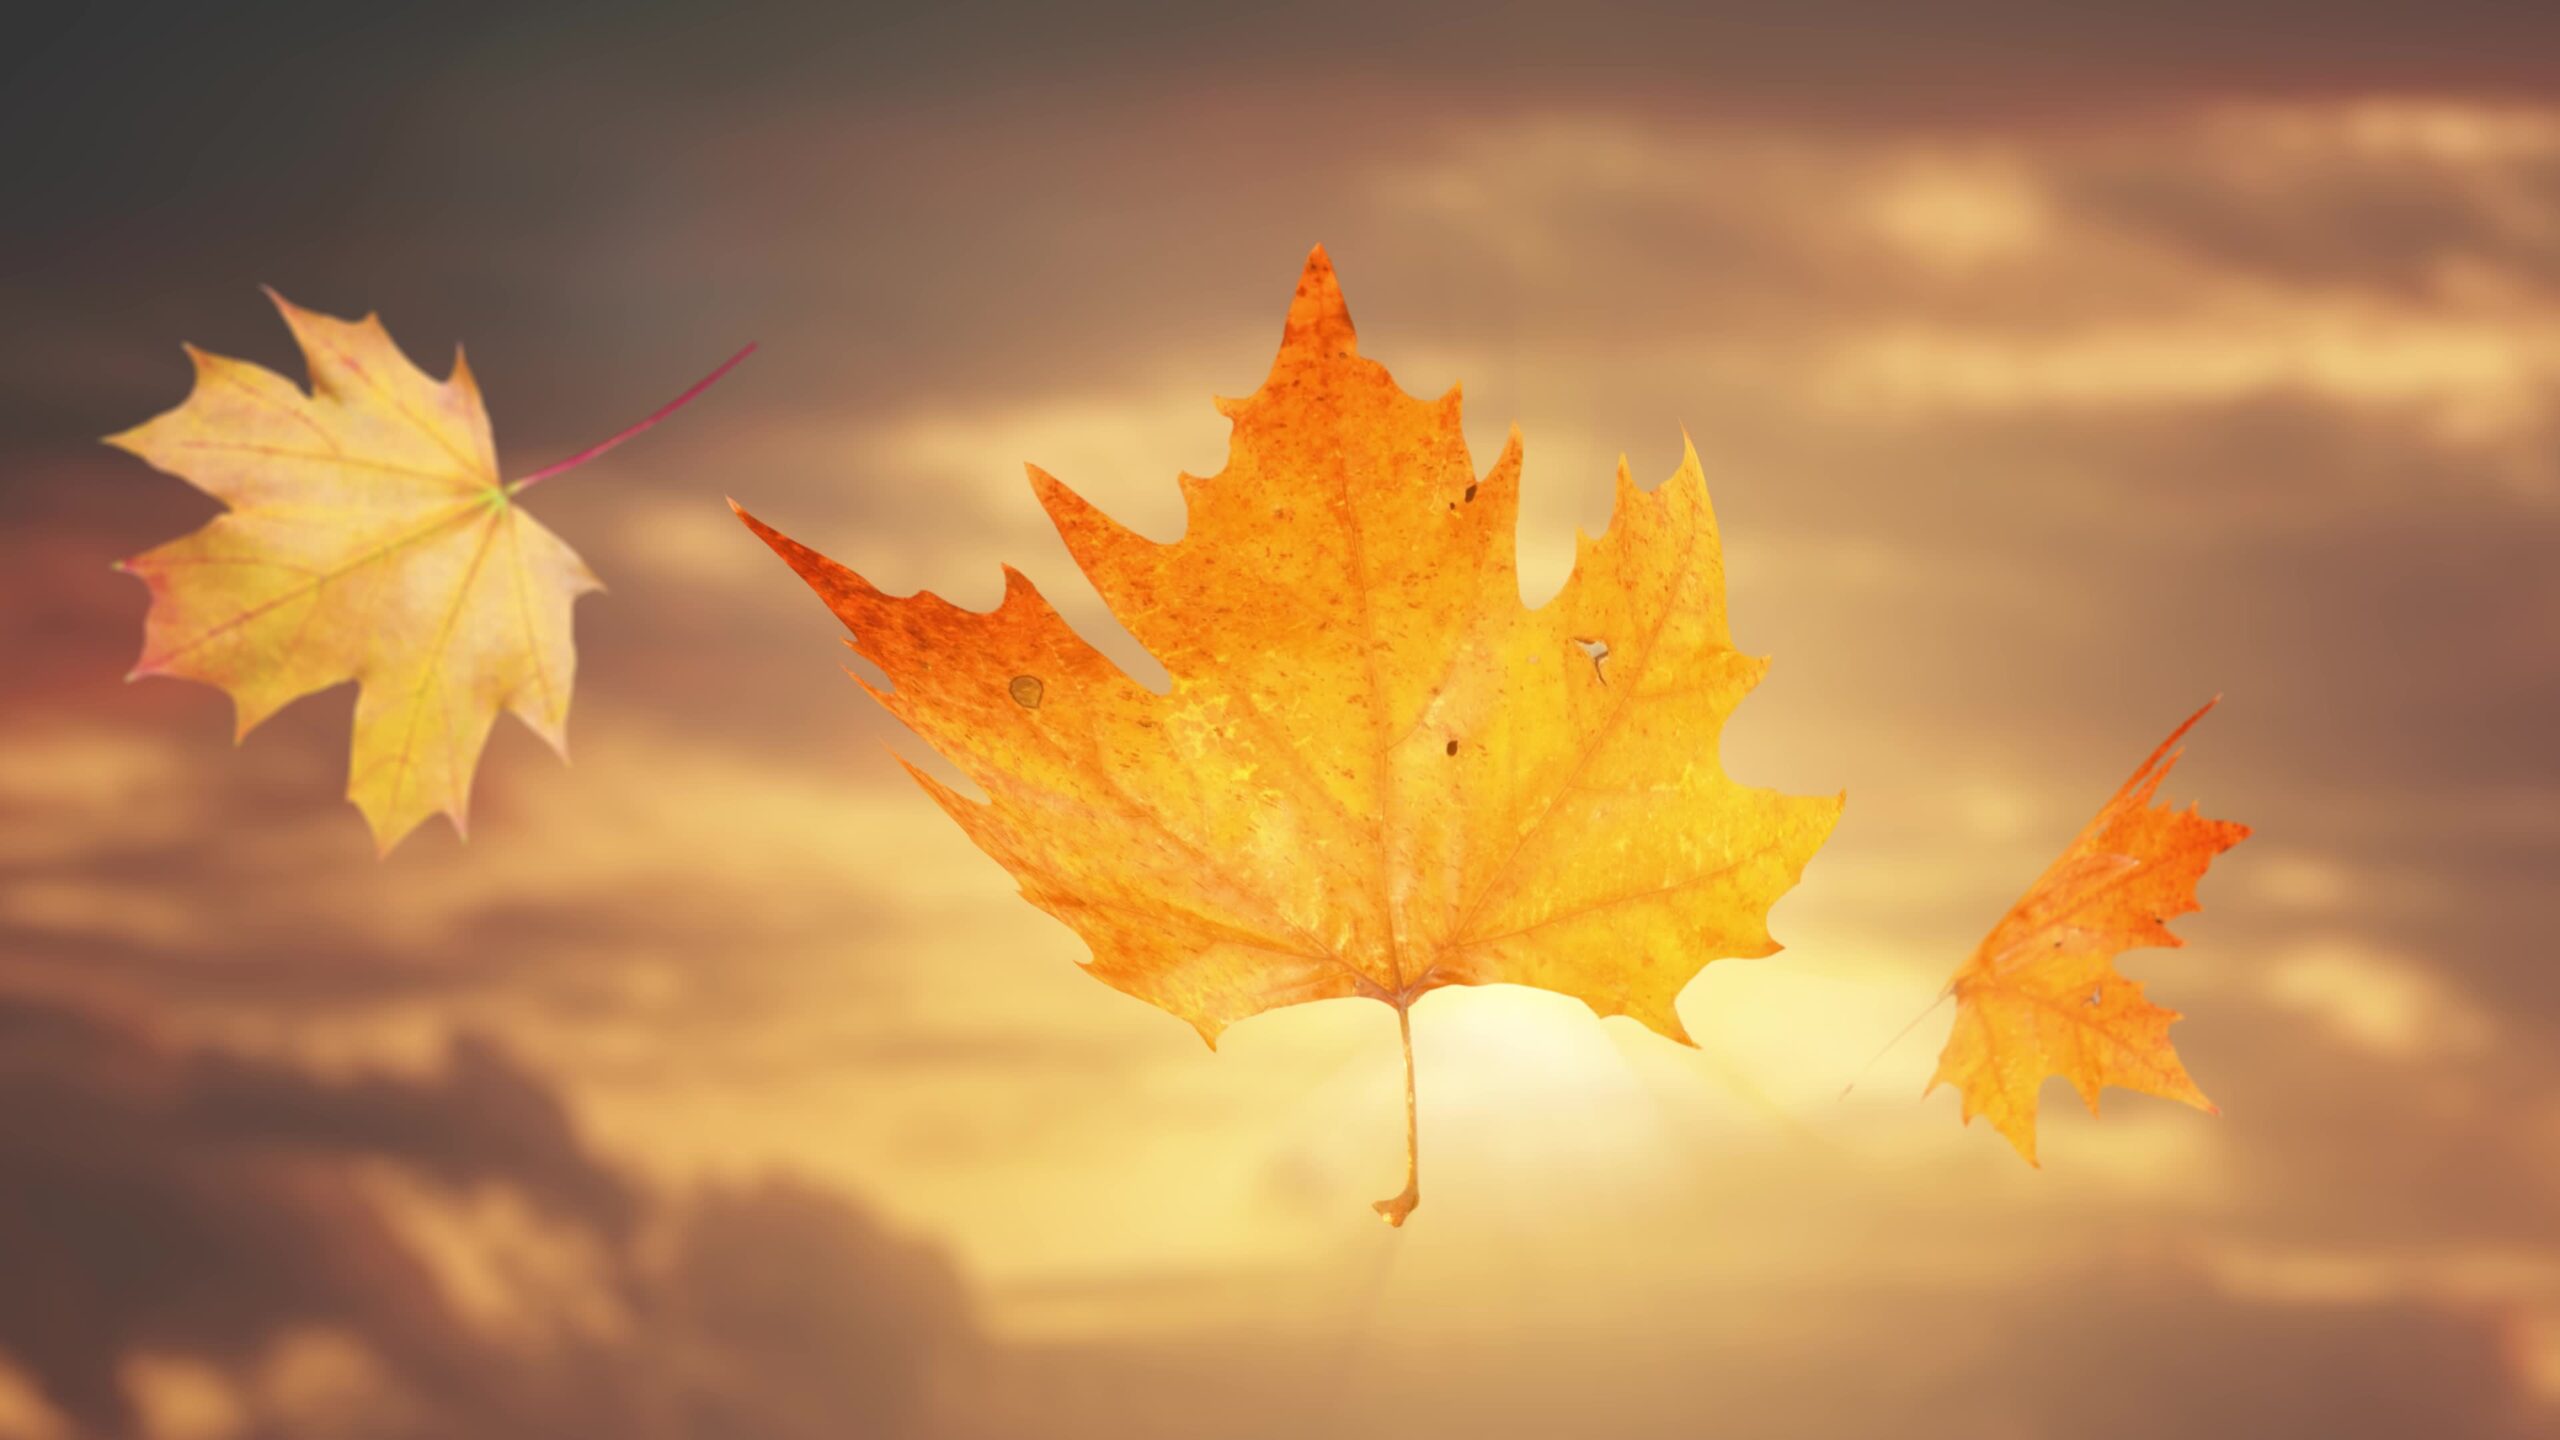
<point x="2131" y="1348"/>
<point x="2388" y="1003"/>
<point x="193" y="1229"/>
<point x="2150" y="1351"/>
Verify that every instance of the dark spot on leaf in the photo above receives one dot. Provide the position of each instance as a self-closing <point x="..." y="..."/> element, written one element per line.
<point x="1025" y="690"/>
<point x="1453" y="747"/>
<point x="1471" y="493"/>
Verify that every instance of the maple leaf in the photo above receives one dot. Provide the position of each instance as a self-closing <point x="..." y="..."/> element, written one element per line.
<point x="367" y="538"/>
<point x="2040" y="995"/>
<point x="1375" y="773"/>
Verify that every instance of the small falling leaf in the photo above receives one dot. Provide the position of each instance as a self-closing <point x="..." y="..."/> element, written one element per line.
<point x="2041" y="997"/>
<point x="368" y="538"/>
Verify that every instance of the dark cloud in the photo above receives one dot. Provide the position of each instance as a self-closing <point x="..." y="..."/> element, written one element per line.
<point x="2003" y="57"/>
<point x="2388" y="218"/>
<point x="191" y="1203"/>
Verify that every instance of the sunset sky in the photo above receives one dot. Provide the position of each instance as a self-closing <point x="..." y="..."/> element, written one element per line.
<point x="2052" y="372"/>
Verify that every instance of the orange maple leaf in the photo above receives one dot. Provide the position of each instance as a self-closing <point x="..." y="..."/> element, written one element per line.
<point x="368" y="538"/>
<point x="1376" y="772"/>
<point x="2040" y="995"/>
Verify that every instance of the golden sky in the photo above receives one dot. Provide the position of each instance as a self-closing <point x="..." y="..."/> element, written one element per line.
<point x="2050" y="376"/>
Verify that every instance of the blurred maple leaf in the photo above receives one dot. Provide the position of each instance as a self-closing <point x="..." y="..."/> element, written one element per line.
<point x="2041" y="997"/>
<point x="1376" y="772"/>
<point x="368" y="538"/>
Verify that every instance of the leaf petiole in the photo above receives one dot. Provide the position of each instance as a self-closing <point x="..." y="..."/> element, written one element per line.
<point x="1394" y="1209"/>
<point x="518" y="487"/>
<point x="1898" y="1037"/>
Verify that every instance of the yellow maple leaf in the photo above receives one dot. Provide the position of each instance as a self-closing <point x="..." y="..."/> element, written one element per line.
<point x="2040" y="996"/>
<point x="1375" y="772"/>
<point x="368" y="538"/>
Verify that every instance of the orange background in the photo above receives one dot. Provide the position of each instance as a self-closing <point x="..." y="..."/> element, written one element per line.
<point x="2051" y="371"/>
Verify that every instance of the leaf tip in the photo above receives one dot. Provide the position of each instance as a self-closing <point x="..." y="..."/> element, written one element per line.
<point x="1318" y="316"/>
<point x="762" y="531"/>
<point x="1054" y="495"/>
<point x="291" y="312"/>
<point x="2020" y="1138"/>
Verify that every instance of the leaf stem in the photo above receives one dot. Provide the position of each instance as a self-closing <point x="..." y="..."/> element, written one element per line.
<point x="654" y="416"/>
<point x="1394" y="1210"/>
<point x="1898" y="1036"/>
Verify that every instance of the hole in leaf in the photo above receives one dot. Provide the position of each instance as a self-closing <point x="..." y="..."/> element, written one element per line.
<point x="1025" y="690"/>
<point x="1598" y="650"/>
